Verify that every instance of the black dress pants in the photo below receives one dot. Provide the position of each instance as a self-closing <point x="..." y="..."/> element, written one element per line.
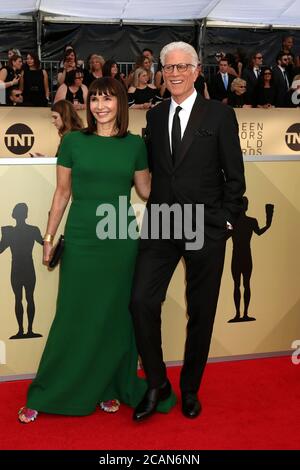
<point x="156" y="262"/>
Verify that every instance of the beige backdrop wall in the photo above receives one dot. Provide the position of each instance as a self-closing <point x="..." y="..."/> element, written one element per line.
<point x="262" y="131"/>
<point x="275" y="297"/>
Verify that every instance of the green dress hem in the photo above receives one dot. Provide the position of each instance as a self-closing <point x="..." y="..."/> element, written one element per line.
<point x="163" y="407"/>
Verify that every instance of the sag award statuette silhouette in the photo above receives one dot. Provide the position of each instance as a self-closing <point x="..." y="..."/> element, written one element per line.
<point x="241" y="263"/>
<point x="20" y="239"/>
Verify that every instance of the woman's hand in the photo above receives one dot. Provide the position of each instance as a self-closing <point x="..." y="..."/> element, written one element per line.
<point x="15" y="81"/>
<point x="47" y="250"/>
<point x="36" y="154"/>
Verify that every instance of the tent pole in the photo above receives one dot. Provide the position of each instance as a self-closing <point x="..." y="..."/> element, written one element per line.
<point x="39" y="33"/>
<point x="201" y="39"/>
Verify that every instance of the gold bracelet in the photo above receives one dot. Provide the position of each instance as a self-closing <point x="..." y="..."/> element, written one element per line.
<point x="48" y="237"/>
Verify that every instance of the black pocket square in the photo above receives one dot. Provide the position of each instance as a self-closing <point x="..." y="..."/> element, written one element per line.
<point x="204" y="132"/>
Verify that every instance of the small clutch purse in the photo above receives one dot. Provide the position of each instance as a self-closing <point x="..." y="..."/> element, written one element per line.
<point x="57" y="252"/>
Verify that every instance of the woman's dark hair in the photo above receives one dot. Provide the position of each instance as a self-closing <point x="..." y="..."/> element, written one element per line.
<point x="36" y="60"/>
<point x="106" y="69"/>
<point x="261" y="76"/>
<point x="13" y="59"/>
<point x="109" y="86"/>
<point x="71" y="120"/>
<point x="71" y="76"/>
<point x="67" y="53"/>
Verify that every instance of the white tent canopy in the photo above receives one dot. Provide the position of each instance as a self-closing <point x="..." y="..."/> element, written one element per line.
<point x="258" y="12"/>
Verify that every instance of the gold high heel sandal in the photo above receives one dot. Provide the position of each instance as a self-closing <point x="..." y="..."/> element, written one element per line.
<point x="26" y="415"/>
<point x="110" y="406"/>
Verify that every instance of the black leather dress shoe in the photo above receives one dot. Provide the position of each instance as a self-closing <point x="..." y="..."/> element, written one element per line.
<point x="191" y="406"/>
<point x="150" y="401"/>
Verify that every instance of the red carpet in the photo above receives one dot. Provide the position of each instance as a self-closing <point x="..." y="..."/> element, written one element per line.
<point x="253" y="404"/>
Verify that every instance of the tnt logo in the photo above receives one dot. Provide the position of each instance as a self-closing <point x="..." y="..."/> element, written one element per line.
<point x="292" y="137"/>
<point x="19" y="139"/>
<point x="2" y="353"/>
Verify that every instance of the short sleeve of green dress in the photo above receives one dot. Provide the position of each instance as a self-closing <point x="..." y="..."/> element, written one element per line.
<point x="64" y="154"/>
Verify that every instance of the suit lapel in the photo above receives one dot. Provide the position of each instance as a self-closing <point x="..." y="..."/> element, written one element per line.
<point x="165" y="107"/>
<point x="194" y="123"/>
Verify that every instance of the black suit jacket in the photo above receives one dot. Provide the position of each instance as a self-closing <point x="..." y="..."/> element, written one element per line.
<point x="217" y="90"/>
<point x="252" y="81"/>
<point x="280" y="86"/>
<point x="210" y="169"/>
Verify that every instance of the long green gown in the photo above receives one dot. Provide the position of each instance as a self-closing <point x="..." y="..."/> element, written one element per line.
<point x="90" y="355"/>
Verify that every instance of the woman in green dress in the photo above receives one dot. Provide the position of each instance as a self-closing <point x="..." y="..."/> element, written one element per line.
<point x="90" y="356"/>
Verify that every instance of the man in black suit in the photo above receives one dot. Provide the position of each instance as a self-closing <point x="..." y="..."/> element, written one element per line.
<point x="281" y="79"/>
<point x="252" y="73"/>
<point x="221" y="82"/>
<point x="196" y="159"/>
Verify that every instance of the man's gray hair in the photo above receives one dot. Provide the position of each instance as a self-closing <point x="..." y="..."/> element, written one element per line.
<point x="181" y="46"/>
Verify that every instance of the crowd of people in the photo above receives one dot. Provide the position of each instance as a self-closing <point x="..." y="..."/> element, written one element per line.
<point x="238" y="81"/>
<point x="257" y="85"/>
